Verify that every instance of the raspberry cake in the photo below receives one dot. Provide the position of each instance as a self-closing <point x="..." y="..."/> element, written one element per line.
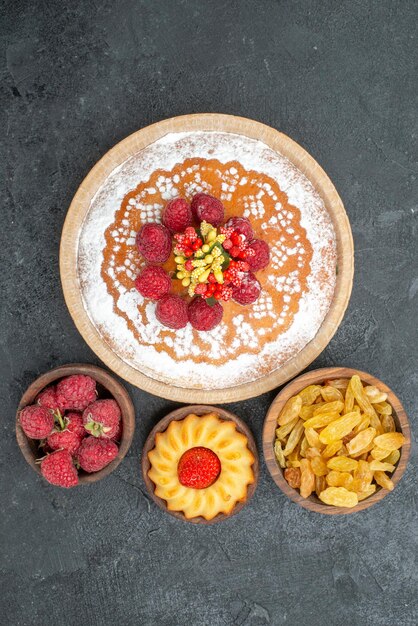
<point x="286" y="295"/>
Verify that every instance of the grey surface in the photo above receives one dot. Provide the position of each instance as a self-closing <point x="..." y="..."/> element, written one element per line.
<point x="338" y="77"/>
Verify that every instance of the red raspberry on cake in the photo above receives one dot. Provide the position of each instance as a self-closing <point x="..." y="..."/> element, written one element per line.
<point x="101" y="419"/>
<point x="207" y="208"/>
<point x="261" y="257"/>
<point x="171" y="311"/>
<point x="36" y="421"/>
<point x="202" y="316"/>
<point x="64" y="440"/>
<point x="177" y="215"/>
<point x="77" y="392"/>
<point x="242" y="226"/>
<point x="49" y="399"/>
<point x="153" y="282"/>
<point x="154" y="242"/>
<point x="94" y="454"/>
<point x="248" y="291"/>
<point x="198" y="468"/>
<point x="58" y="469"/>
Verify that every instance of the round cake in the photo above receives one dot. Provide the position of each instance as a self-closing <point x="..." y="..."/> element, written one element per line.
<point x="252" y="181"/>
<point x="183" y="470"/>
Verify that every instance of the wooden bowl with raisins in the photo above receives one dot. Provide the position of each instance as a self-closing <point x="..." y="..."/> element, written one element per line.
<point x="336" y="440"/>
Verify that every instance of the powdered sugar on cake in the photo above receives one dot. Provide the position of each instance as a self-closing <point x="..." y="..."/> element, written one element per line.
<point x="249" y="343"/>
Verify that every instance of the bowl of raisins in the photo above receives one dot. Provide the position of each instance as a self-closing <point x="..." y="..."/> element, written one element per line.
<point x="336" y="440"/>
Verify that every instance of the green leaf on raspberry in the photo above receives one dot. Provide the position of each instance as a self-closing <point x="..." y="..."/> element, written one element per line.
<point x="211" y="301"/>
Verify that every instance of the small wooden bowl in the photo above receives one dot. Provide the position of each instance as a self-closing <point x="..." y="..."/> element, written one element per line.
<point x="108" y="387"/>
<point x="180" y="414"/>
<point x="318" y="377"/>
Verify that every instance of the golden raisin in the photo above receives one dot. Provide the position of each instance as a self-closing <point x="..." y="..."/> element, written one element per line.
<point x="332" y="448"/>
<point x="331" y="394"/>
<point x="319" y="467"/>
<point x="384" y="481"/>
<point x="342" y="464"/>
<point x="310" y="394"/>
<point x="290" y="410"/>
<point x="390" y="441"/>
<point x="294" y="438"/>
<point x="339" y="427"/>
<point x="393" y="457"/>
<point x="361" y="441"/>
<point x="381" y="466"/>
<point x="293" y="475"/>
<point x="279" y="454"/>
<point x="339" y="496"/>
<point x="388" y="423"/>
<point x="307" y="479"/>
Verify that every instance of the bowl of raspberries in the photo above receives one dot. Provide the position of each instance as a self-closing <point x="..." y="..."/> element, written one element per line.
<point x="74" y="424"/>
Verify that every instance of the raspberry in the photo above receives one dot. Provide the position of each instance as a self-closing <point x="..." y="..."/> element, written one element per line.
<point x="36" y="421"/>
<point x="261" y="256"/>
<point x="242" y="226"/>
<point x="154" y="242"/>
<point x="249" y="290"/>
<point x="74" y="423"/>
<point x="101" y="419"/>
<point x="177" y="215"/>
<point x="58" y="469"/>
<point x="94" y="454"/>
<point x="153" y="282"/>
<point x="198" y="468"/>
<point x="202" y="316"/>
<point x="207" y="208"/>
<point x="64" y="440"/>
<point x="49" y="399"/>
<point x="171" y="311"/>
<point x="119" y="433"/>
<point x="77" y="391"/>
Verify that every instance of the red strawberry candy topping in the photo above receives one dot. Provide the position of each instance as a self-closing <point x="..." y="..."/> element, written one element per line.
<point x="64" y="440"/>
<point x="177" y="215"/>
<point x="153" y="282"/>
<point x="49" y="399"/>
<point x="36" y="421"/>
<point x="198" y="468"/>
<point x="154" y="242"/>
<point x="101" y="419"/>
<point x="171" y="311"/>
<point x="207" y="208"/>
<point x="94" y="454"/>
<point x="248" y="291"/>
<point x="242" y="226"/>
<point x="261" y="257"/>
<point x="59" y="470"/>
<point x="202" y="316"/>
<point x="77" y="391"/>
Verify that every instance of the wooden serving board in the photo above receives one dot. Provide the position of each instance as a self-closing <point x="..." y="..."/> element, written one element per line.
<point x="206" y="122"/>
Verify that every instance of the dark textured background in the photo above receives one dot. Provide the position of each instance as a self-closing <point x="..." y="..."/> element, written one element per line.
<point x="341" y="79"/>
